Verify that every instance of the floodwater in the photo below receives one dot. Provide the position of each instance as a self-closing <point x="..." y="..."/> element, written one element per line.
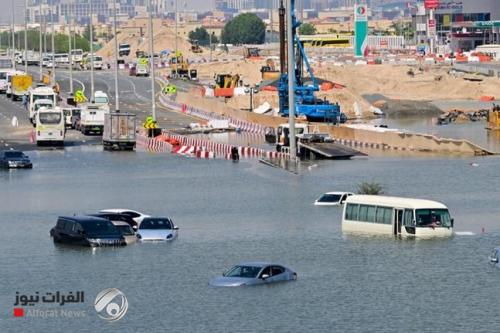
<point x="475" y="132"/>
<point x="231" y="212"/>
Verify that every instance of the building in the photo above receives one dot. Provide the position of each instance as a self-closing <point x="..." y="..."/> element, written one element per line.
<point x="460" y="24"/>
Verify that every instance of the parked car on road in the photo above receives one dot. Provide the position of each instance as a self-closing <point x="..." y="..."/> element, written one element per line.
<point x="10" y="159"/>
<point x="86" y="231"/>
<point x="332" y="198"/>
<point x="253" y="273"/>
<point x="157" y="229"/>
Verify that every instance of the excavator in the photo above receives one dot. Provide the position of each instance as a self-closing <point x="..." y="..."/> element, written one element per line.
<point x="269" y="71"/>
<point x="225" y="84"/>
<point x="180" y="68"/>
<point x="195" y="47"/>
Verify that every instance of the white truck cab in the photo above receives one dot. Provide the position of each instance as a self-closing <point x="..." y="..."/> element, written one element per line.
<point x="38" y="97"/>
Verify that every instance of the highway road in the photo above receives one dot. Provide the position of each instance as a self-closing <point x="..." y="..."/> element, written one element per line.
<point x="134" y="93"/>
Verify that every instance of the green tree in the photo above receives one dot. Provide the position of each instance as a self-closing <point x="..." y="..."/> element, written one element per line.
<point x="245" y="28"/>
<point x="202" y="36"/>
<point x="60" y="41"/>
<point x="370" y="188"/>
<point x="307" y="29"/>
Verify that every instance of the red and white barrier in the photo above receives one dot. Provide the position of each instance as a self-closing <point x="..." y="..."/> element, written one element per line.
<point x="152" y="144"/>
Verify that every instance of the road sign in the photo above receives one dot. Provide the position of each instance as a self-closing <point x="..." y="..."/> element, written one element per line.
<point x="431" y="4"/>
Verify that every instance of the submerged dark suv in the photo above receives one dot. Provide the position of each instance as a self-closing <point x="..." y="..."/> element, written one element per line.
<point x="87" y="231"/>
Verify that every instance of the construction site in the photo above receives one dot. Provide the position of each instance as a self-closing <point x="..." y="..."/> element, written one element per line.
<point x="336" y="92"/>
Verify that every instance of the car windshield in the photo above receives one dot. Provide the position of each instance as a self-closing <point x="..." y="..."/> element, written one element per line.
<point x="97" y="59"/>
<point x="15" y="154"/>
<point x="42" y="105"/>
<point x="156" y="224"/>
<point x="50" y="117"/>
<point x="126" y="230"/>
<point x="3" y="75"/>
<point x="330" y="198"/>
<point x="100" y="228"/>
<point x="37" y="97"/>
<point x="103" y="100"/>
<point x="433" y="218"/>
<point x="243" y="271"/>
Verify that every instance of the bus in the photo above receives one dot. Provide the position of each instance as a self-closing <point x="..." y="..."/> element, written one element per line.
<point x="374" y="214"/>
<point x="50" y="126"/>
<point x="61" y="58"/>
<point x="330" y="41"/>
<point x="76" y="55"/>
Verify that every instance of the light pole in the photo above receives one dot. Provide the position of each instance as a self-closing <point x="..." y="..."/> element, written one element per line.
<point x="291" y="80"/>
<point x="53" y="46"/>
<point x="117" y="98"/>
<point x="176" y="45"/>
<point x="151" y="61"/>
<point x="26" y="36"/>
<point x="13" y="39"/>
<point x="91" y="55"/>
<point x="211" y="45"/>
<point x="40" y="46"/>
<point x="69" y="51"/>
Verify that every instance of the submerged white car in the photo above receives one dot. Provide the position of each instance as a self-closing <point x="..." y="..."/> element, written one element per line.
<point x="137" y="216"/>
<point x="157" y="229"/>
<point x="332" y="199"/>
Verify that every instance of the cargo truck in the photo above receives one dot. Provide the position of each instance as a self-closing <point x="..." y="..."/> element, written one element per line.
<point x="119" y="131"/>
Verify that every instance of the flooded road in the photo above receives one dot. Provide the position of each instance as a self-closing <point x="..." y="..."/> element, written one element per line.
<point x="232" y="212"/>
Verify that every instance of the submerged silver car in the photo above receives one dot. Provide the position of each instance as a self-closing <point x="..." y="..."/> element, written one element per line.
<point x="253" y="273"/>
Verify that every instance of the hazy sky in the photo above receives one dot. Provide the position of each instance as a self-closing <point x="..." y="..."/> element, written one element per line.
<point x="5" y="5"/>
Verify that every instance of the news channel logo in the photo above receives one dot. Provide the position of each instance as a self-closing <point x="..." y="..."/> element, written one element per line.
<point x="111" y="304"/>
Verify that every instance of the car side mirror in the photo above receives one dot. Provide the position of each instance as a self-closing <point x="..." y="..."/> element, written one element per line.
<point x="264" y="276"/>
<point x="176" y="227"/>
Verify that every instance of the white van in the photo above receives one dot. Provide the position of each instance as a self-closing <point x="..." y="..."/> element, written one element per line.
<point x="3" y="79"/>
<point x="40" y="96"/>
<point x="50" y="126"/>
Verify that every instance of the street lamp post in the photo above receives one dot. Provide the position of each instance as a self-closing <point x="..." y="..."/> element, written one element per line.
<point x="211" y="45"/>
<point x="151" y="62"/>
<point x="117" y="95"/>
<point x="69" y="52"/>
<point x="26" y="36"/>
<point x="40" y="46"/>
<point x="13" y="39"/>
<point x="53" y="32"/>
<point x="91" y="54"/>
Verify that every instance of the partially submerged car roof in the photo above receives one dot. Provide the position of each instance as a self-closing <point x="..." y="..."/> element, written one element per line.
<point x="83" y="219"/>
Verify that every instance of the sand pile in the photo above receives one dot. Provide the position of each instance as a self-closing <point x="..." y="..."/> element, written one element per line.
<point x="164" y="38"/>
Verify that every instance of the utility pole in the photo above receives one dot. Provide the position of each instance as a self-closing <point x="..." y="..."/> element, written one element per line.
<point x="117" y="95"/>
<point x="40" y="41"/>
<point x="53" y="46"/>
<point x="26" y="36"/>
<point x="69" y="51"/>
<point x="13" y="39"/>
<point x="291" y="79"/>
<point x="176" y="45"/>
<point x="151" y="61"/>
<point x="91" y="54"/>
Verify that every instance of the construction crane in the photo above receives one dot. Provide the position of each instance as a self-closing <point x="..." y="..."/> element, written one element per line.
<point x="307" y="104"/>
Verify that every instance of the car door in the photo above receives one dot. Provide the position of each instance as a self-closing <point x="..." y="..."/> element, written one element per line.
<point x="265" y="271"/>
<point x="278" y="274"/>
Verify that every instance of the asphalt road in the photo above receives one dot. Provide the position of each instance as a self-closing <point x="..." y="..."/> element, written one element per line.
<point x="134" y="94"/>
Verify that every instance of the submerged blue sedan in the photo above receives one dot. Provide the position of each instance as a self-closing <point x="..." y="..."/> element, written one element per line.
<point x="253" y="273"/>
